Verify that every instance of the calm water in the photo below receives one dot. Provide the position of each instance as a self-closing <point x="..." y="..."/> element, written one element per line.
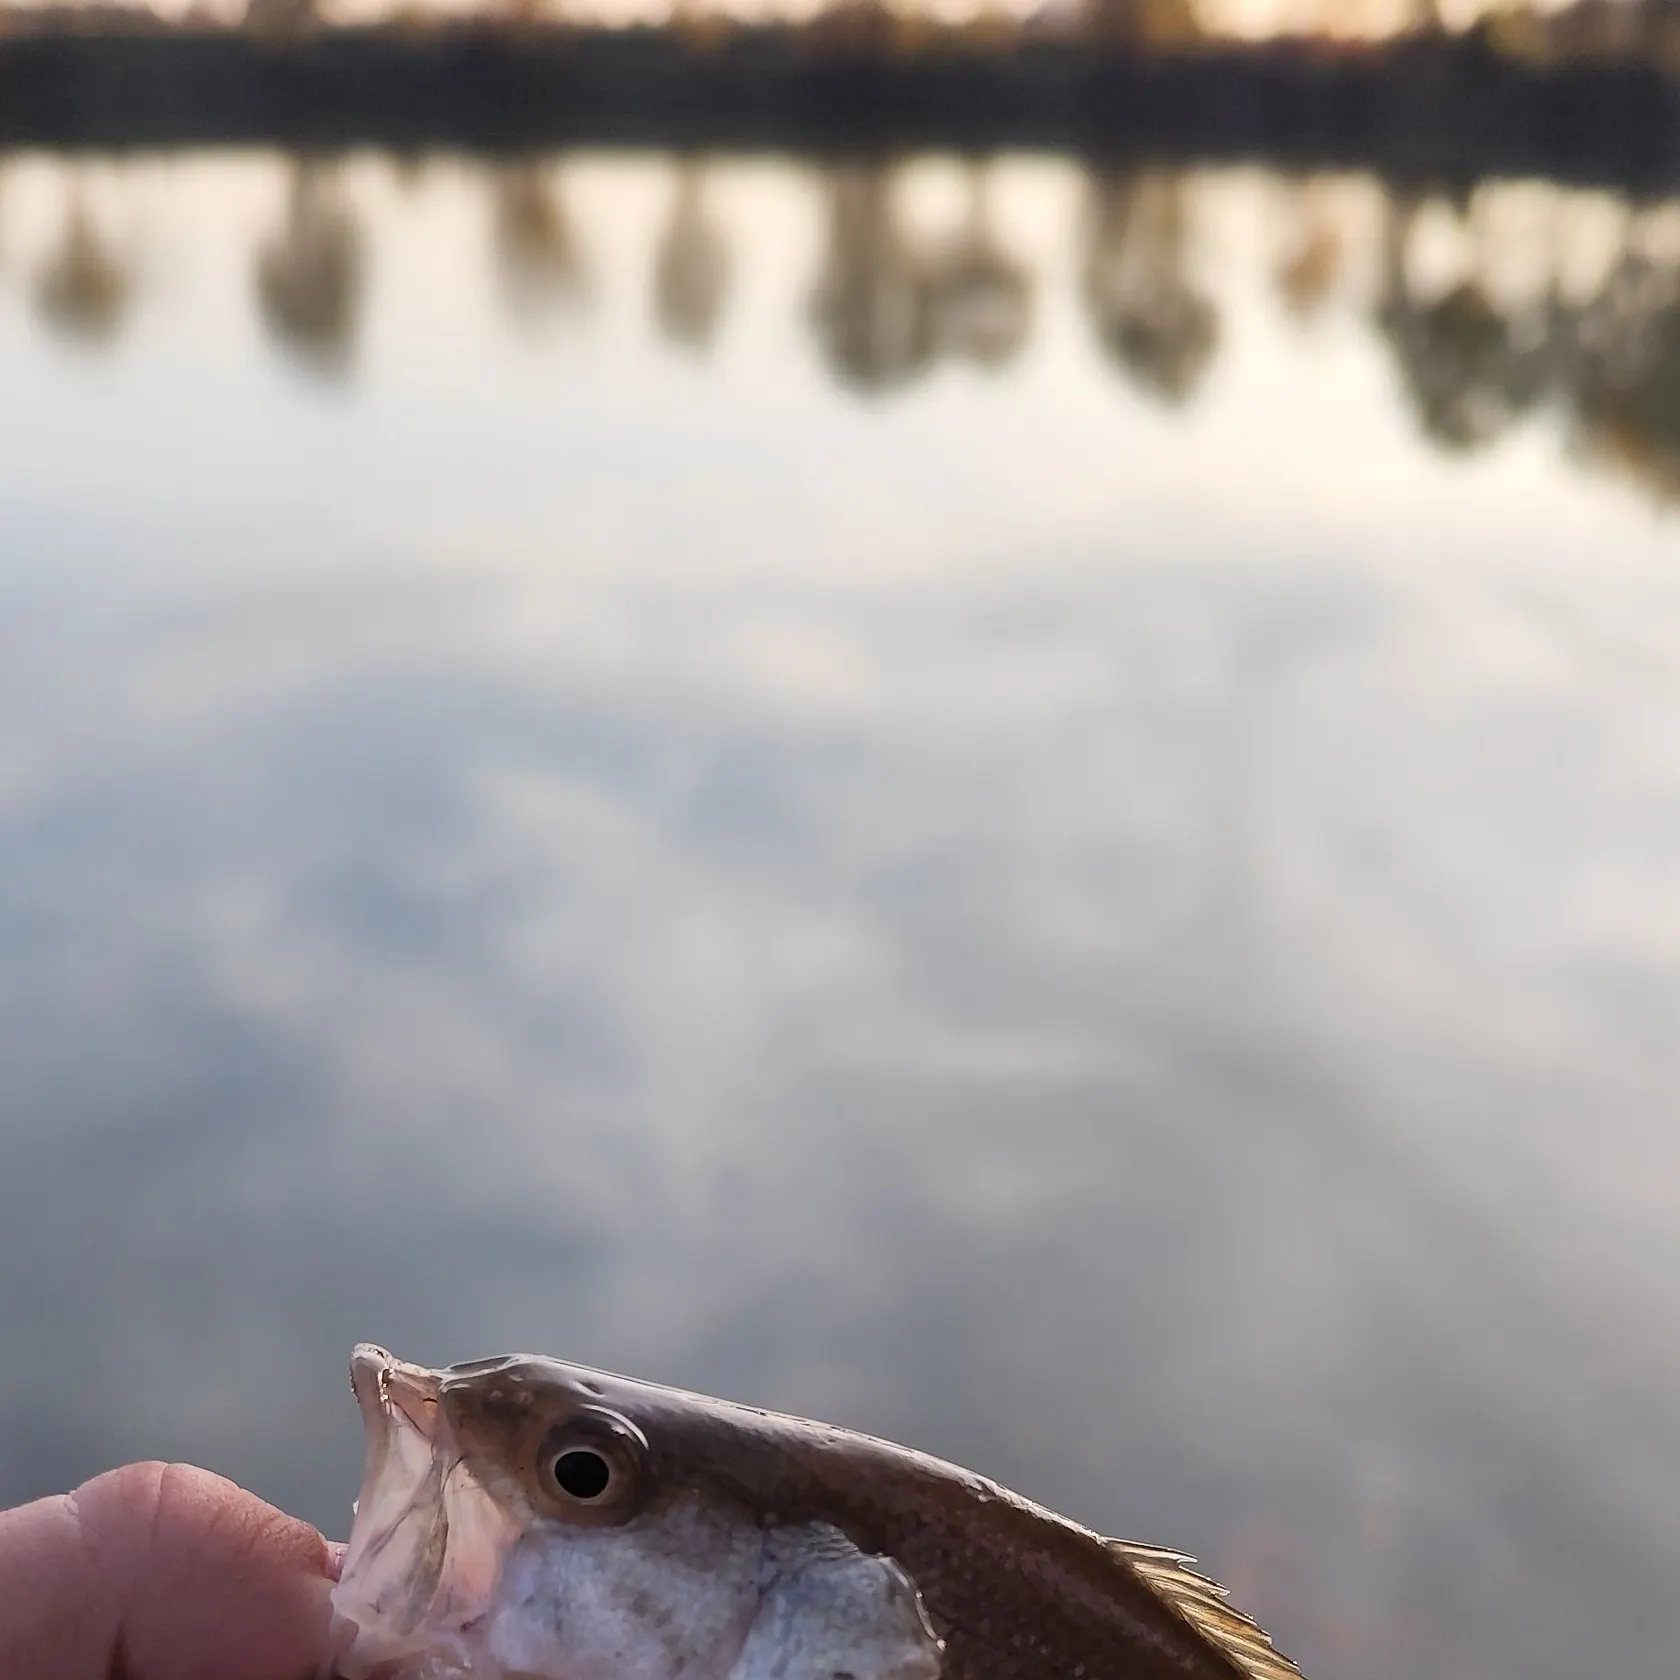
<point x="1035" y="814"/>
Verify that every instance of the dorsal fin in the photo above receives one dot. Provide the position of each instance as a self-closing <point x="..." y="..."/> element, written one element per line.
<point x="1202" y="1603"/>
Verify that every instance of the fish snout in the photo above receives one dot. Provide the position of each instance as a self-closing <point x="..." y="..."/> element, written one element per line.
<point x="389" y="1390"/>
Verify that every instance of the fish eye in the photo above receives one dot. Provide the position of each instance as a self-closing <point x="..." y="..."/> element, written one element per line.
<point x="582" y="1473"/>
<point x="590" y="1469"/>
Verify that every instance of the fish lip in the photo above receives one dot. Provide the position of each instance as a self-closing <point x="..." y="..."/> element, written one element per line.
<point x="387" y="1388"/>
<point x="401" y="1470"/>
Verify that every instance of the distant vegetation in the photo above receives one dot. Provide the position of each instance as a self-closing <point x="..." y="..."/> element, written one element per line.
<point x="1579" y="32"/>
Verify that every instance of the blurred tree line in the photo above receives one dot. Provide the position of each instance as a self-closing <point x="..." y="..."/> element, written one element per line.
<point x="1523" y="30"/>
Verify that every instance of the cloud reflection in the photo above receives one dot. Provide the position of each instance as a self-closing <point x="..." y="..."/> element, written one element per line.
<point x="1071" y="1097"/>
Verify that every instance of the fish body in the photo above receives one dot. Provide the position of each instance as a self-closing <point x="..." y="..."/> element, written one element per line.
<point x="525" y="1519"/>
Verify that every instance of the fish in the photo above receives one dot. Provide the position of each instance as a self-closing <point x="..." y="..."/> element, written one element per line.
<point x="521" y="1518"/>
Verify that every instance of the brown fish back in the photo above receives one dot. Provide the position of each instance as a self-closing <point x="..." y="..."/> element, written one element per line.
<point x="1016" y="1591"/>
<point x="1040" y="1598"/>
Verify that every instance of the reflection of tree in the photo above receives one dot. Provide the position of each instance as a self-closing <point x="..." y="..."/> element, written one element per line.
<point x="1469" y="368"/>
<point x="871" y="306"/>
<point x="691" y="271"/>
<point x="538" y="255"/>
<point x="1313" y="259"/>
<point x="981" y="296"/>
<point x="309" y="275"/>
<point x="1147" y="310"/>
<point x="84" y="288"/>
<point x="1627" y="394"/>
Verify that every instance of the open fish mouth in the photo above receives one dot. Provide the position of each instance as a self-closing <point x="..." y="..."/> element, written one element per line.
<point x="427" y="1542"/>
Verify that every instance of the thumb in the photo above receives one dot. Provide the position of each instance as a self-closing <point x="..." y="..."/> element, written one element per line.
<point x="161" y="1572"/>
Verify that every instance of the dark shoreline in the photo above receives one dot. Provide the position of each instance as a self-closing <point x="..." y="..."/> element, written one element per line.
<point x="1429" y="111"/>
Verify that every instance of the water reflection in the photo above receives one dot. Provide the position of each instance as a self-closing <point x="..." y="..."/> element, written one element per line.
<point x="1147" y="309"/>
<point x="1133" y="943"/>
<point x="1623" y="351"/>
<point x="871" y="308"/>
<point x="309" y="274"/>
<point x="691" y="271"/>
<point x="1314" y="252"/>
<point x="540" y="259"/>
<point x="1474" y="364"/>
<point x="981" y="293"/>
<point x="892" y="300"/>
<point x="1490" y="311"/>
<point x="83" y="290"/>
<point x="1470" y="368"/>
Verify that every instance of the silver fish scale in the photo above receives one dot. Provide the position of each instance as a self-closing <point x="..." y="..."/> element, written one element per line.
<point x="666" y="1601"/>
<point x="831" y="1612"/>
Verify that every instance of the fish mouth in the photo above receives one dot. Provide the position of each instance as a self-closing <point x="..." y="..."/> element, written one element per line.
<point x="427" y="1541"/>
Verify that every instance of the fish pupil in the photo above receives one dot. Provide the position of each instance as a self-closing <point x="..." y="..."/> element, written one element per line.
<point x="582" y="1474"/>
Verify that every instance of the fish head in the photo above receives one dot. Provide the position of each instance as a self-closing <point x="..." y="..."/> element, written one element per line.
<point x="524" y="1519"/>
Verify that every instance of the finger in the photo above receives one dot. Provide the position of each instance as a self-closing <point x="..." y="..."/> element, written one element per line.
<point x="161" y="1572"/>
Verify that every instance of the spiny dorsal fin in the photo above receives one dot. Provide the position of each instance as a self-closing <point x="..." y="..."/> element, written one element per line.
<point x="1201" y="1603"/>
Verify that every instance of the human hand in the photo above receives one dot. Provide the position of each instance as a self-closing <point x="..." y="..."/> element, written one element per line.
<point x="161" y="1572"/>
